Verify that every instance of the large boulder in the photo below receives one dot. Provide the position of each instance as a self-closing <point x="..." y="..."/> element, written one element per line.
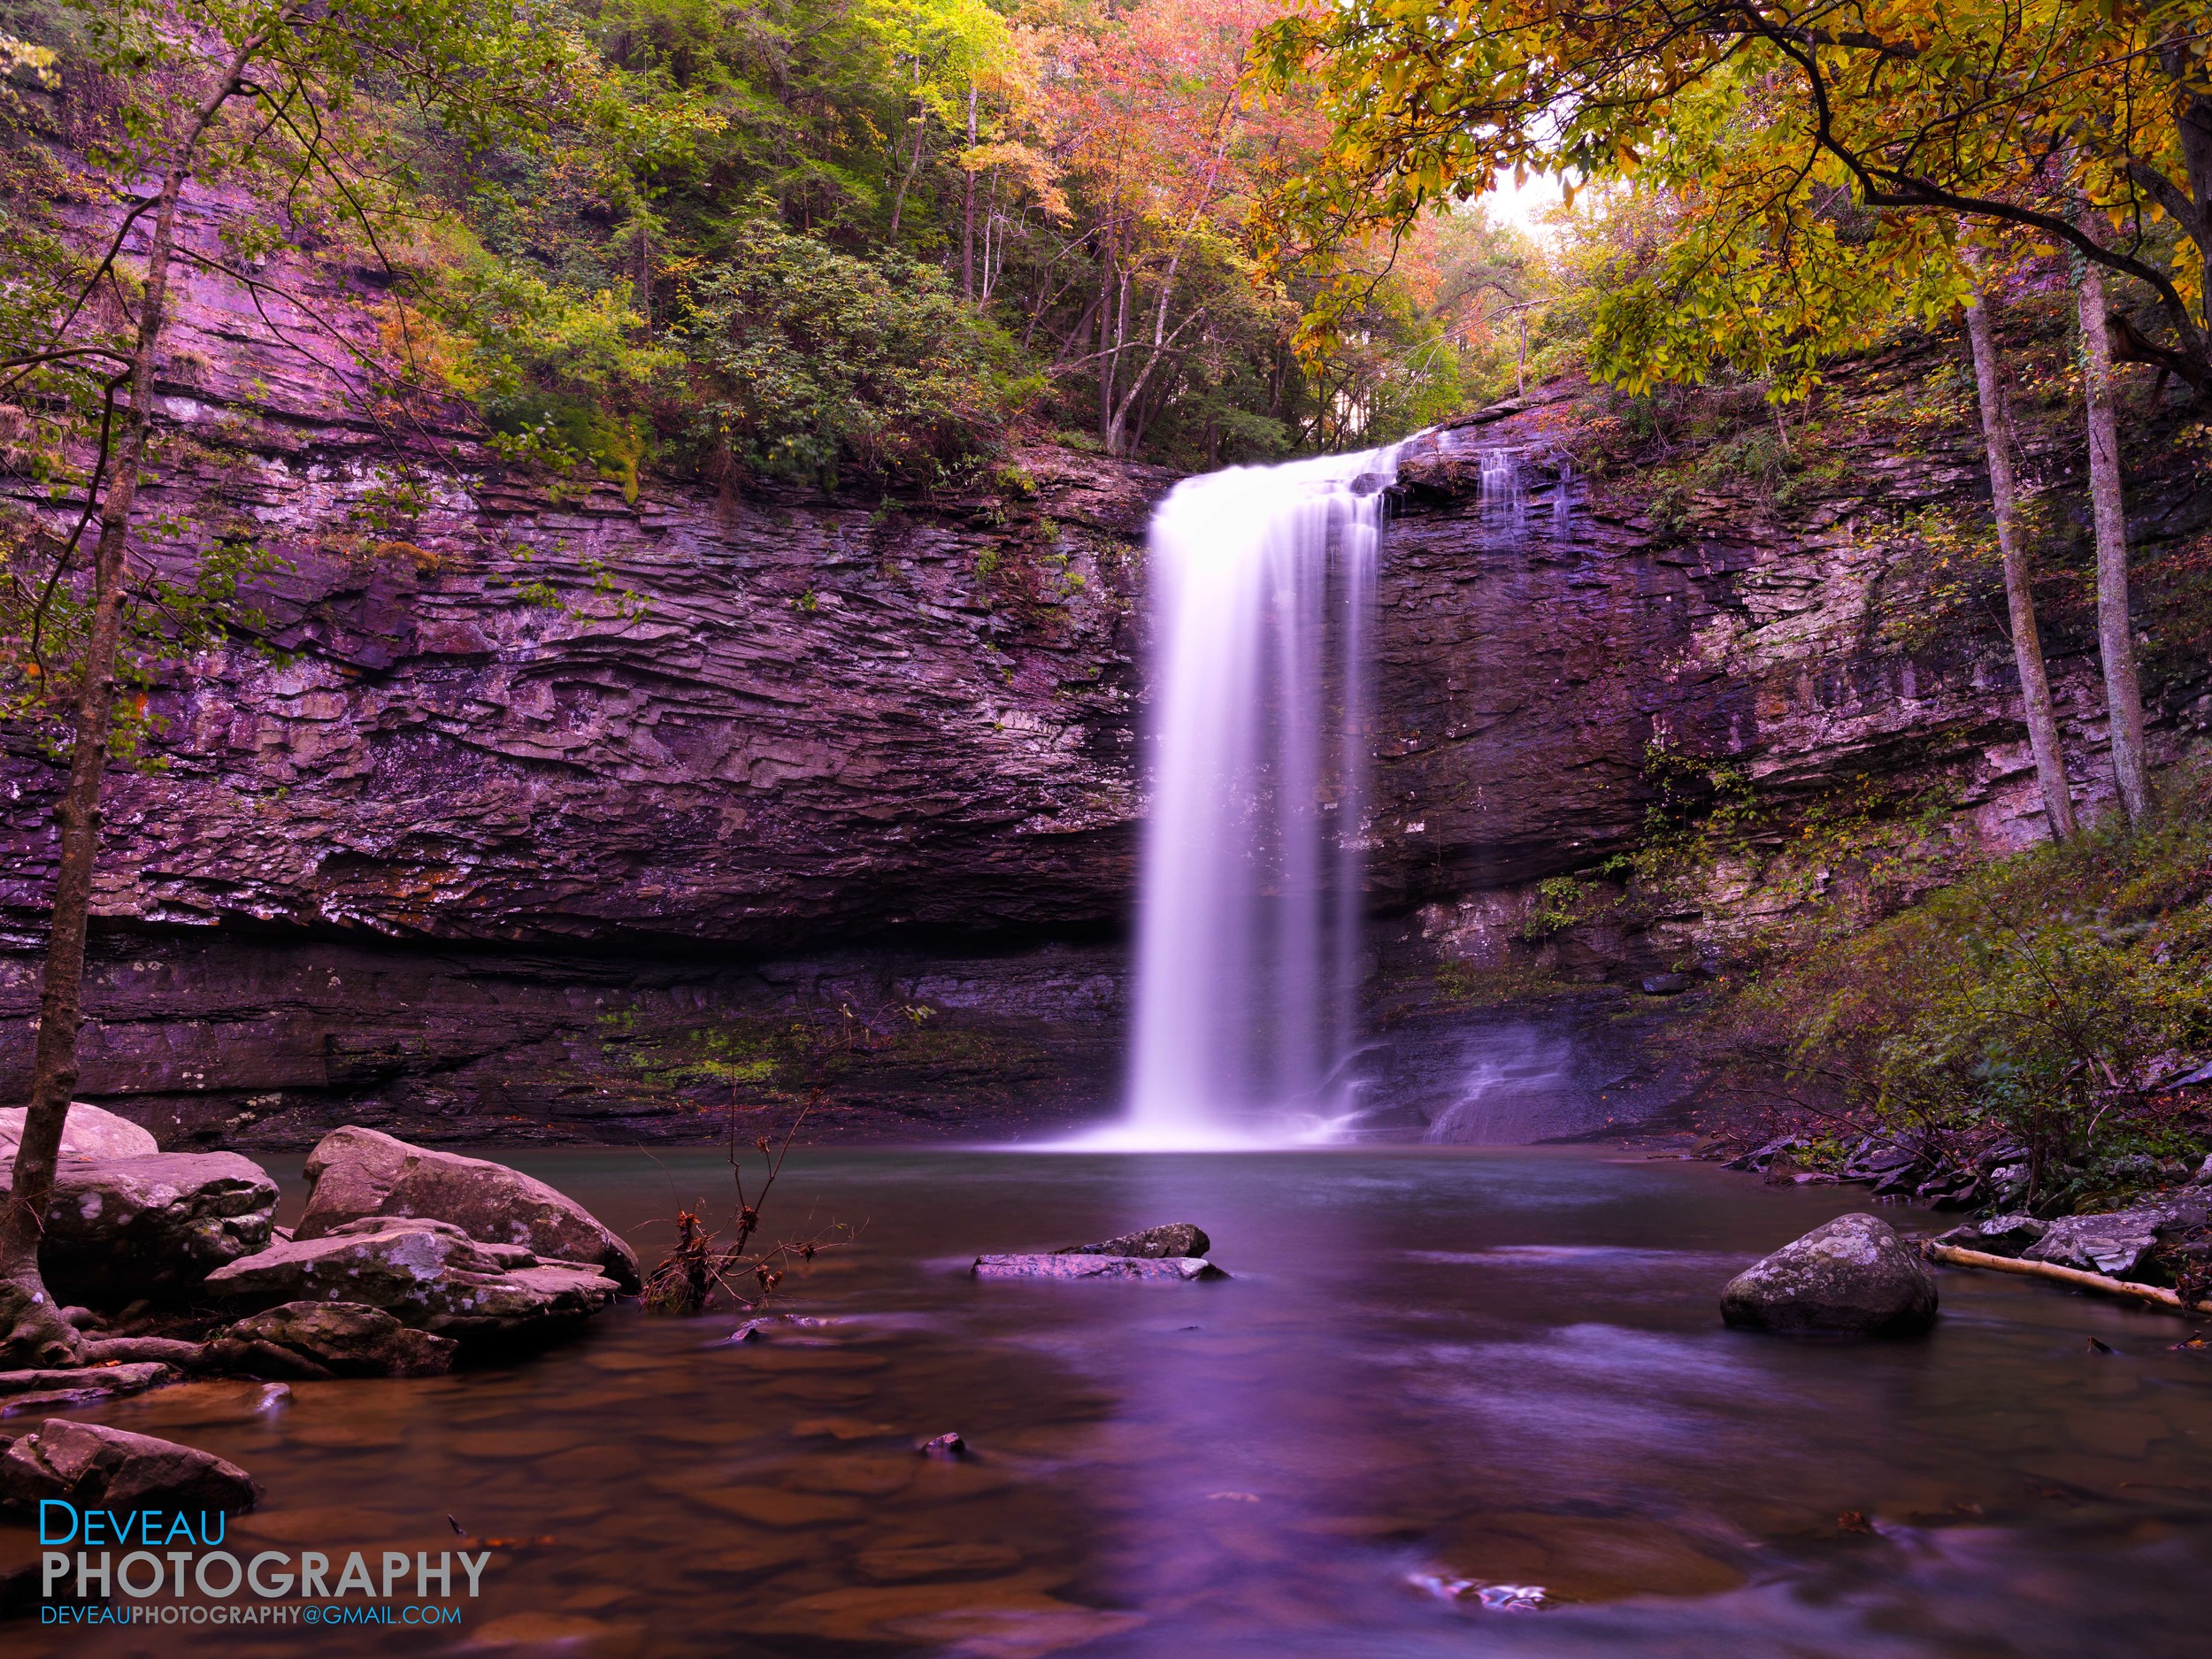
<point x="315" y="1340"/>
<point x="356" y="1174"/>
<point x="86" y="1132"/>
<point x="427" y="1274"/>
<point x="122" y="1228"/>
<point x="1853" y="1276"/>
<point x="95" y="1467"/>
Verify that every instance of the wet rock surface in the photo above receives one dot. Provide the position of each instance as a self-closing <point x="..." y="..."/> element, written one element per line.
<point x="1176" y="1239"/>
<point x="357" y="1173"/>
<point x="59" y="1388"/>
<point x="1172" y="1269"/>
<point x="427" y="1274"/>
<point x="1853" y="1276"/>
<point x="314" y="1340"/>
<point x="91" y="1465"/>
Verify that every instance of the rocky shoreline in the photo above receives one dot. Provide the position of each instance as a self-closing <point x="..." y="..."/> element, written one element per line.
<point x="2154" y="1250"/>
<point x="406" y="1262"/>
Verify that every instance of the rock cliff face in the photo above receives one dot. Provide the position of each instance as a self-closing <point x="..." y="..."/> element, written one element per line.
<point x="561" y="810"/>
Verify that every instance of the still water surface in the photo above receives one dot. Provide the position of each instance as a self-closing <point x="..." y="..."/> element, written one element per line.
<point x="1431" y="1366"/>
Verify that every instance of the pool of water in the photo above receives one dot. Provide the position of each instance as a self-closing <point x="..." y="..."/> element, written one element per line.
<point x="1429" y="1367"/>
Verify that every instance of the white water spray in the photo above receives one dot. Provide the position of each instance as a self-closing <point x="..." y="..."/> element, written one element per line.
<point x="1261" y="587"/>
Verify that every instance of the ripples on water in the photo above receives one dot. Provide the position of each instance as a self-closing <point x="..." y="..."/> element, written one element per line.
<point x="1431" y="1368"/>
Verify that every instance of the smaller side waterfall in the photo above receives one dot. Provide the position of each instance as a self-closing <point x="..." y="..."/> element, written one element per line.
<point x="1262" y="586"/>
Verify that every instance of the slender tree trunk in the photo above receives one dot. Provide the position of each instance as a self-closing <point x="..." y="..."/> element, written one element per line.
<point x="914" y="162"/>
<point x="645" y="273"/>
<point x="1116" y="414"/>
<point x="967" y="211"/>
<point x="2027" y="643"/>
<point x="1108" y="353"/>
<point x="34" y="1331"/>
<point x="31" y="1328"/>
<point x="2115" y="634"/>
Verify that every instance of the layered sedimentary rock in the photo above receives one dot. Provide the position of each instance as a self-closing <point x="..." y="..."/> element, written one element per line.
<point x="566" y="813"/>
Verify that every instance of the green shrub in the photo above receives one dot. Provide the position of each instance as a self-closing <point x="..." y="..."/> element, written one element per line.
<point x="2042" y="1000"/>
<point x="805" y="359"/>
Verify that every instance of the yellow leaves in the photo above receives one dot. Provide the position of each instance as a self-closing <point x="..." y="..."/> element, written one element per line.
<point x="1626" y="157"/>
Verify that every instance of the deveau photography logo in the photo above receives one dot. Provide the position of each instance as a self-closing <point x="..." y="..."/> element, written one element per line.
<point x="171" y="1567"/>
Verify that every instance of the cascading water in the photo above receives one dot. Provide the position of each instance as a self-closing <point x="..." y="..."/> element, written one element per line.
<point x="1262" y="586"/>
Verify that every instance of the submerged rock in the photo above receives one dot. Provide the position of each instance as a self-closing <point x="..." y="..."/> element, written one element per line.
<point x="1853" y="1276"/>
<point x="1077" y="1265"/>
<point x="153" y="1226"/>
<point x="427" y="1274"/>
<point x="91" y="1465"/>
<point x="86" y="1132"/>
<point x="1177" y="1238"/>
<point x="357" y="1173"/>
<point x="313" y="1340"/>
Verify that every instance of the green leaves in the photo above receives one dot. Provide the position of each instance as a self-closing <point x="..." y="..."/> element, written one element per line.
<point x="1807" y="146"/>
<point x="806" y="359"/>
<point x="2045" y="996"/>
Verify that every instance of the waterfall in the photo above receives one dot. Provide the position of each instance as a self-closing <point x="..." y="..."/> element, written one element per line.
<point x="1262" y="584"/>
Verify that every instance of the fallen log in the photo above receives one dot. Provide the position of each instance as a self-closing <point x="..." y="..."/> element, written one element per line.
<point x="2154" y="1296"/>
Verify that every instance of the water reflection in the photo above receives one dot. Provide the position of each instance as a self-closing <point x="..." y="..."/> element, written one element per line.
<point x="1431" y="1367"/>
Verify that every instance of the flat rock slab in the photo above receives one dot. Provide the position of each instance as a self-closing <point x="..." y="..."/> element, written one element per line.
<point x="91" y="1465"/>
<point x="426" y="1274"/>
<point x="2115" y="1242"/>
<point x="22" y="1391"/>
<point x="1181" y="1269"/>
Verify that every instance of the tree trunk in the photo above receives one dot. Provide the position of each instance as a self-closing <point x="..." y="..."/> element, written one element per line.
<point x="35" y="1331"/>
<point x="967" y="213"/>
<point x="32" y="1331"/>
<point x="914" y="162"/>
<point x="1108" y="353"/>
<point x="1115" y="414"/>
<point x="2027" y="644"/>
<point x="2116" y="634"/>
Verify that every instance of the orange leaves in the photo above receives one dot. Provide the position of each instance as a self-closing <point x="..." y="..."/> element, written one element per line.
<point x="1153" y="112"/>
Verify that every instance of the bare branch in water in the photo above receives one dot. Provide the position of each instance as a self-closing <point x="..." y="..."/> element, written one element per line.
<point x="702" y="1267"/>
